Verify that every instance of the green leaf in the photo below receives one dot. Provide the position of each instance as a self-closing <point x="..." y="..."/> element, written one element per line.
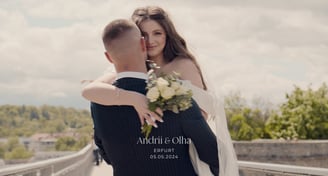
<point x="146" y="129"/>
<point x="152" y="106"/>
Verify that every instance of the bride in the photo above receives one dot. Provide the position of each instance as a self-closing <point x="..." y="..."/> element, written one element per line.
<point x="168" y="50"/>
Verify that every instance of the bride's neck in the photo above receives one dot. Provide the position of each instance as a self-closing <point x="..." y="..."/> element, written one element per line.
<point x="159" y="60"/>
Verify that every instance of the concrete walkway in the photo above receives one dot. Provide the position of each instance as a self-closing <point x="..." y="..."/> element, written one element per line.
<point x="102" y="170"/>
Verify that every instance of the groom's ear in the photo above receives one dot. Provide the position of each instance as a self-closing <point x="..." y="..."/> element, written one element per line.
<point x="108" y="57"/>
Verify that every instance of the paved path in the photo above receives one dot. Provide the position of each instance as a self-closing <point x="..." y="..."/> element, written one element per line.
<point x="102" y="170"/>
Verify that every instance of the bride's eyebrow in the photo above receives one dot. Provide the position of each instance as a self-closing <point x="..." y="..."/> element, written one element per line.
<point x="158" y="30"/>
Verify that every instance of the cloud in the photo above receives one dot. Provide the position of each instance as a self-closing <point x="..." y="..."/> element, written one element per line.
<point x="259" y="48"/>
<point x="262" y="50"/>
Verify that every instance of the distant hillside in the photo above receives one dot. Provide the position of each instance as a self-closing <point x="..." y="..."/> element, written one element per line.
<point x="24" y="121"/>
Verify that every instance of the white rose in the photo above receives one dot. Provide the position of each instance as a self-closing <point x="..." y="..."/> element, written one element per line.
<point x="175" y="85"/>
<point x="162" y="83"/>
<point x="167" y="93"/>
<point x="153" y="94"/>
<point x="181" y="90"/>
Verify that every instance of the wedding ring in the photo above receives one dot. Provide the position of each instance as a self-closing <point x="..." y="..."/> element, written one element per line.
<point x="151" y="117"/>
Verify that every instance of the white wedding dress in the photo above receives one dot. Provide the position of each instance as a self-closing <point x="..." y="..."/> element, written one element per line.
<point x="218" y="123"/>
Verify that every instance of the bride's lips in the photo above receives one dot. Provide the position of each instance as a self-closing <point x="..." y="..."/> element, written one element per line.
<point x="150" y="47"/>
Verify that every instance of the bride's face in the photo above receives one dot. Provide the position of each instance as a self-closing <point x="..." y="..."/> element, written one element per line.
<point x="155" y="37"/>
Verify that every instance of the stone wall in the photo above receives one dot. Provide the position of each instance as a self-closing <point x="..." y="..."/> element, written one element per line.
<point x="311" y="153"/>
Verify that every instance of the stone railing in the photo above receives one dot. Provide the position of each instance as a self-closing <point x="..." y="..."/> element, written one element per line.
<point x="78" y="164"/>
<point x="308" y="153"/>
<point x="266" y="169"/>
<point x="278" y="158"/>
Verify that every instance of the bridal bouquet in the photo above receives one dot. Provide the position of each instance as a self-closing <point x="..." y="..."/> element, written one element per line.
<point x="168" y="93"/>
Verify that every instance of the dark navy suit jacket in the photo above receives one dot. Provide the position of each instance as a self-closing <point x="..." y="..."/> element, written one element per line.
<point x="165" y="152"/>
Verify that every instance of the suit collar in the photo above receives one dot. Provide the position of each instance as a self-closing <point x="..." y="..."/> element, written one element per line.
<point x="130" y="74"/>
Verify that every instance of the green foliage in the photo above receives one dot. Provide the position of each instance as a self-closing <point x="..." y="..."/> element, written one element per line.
<point x="247" y="125"/>
<point x="244" y="123"/>
<point x="19" y="152"/>
<point x="71" y="144"/>
<point x="65" y="144"/>
<point x="241" y="130"/>
<point x="82" y="142"/>
<point x="12" y="143"/>
<point x="303" y="116"/>
<point x="24" y="121"/>
<point x="14" y="150"/>
<point x="2" y="150"/>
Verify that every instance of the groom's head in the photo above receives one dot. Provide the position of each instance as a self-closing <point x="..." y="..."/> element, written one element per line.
<point x="123" y="43"/>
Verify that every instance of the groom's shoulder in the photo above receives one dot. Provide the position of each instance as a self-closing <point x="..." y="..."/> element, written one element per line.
<point x="192" y="113"/>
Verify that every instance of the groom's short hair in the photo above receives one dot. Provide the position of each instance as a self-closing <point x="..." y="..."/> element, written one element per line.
<point x="116" y="30"/>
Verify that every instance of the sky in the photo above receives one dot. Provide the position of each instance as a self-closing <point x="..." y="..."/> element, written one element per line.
<point x="261" y="49"/>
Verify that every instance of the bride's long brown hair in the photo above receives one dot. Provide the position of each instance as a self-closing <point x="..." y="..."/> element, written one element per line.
<point x="175" y="45"/>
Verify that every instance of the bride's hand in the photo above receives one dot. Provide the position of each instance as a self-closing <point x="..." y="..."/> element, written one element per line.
<point x="140" y="103"/>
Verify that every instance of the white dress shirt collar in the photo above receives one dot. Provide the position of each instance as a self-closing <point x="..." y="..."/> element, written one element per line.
<point x="130" y="74"/>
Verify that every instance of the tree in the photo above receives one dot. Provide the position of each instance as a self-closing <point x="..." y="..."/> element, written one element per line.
<point x="65" y="144"/>
<point x="240" y="129"/>
<point x="34" y="113"/>
<point x="82" y="142"/>
<point x="14" y="150"/>
<point x="19" y="152"/>
<point x="12" y="143"/>
<point x="2" y="150"/>
<point x="234" y="103"/>
<point x="245" y="123"/>
<point x="303" y="116"/>
<point x="28" y="120"/>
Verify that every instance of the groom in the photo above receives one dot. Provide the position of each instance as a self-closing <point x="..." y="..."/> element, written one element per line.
<point x="117" y="128"/>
